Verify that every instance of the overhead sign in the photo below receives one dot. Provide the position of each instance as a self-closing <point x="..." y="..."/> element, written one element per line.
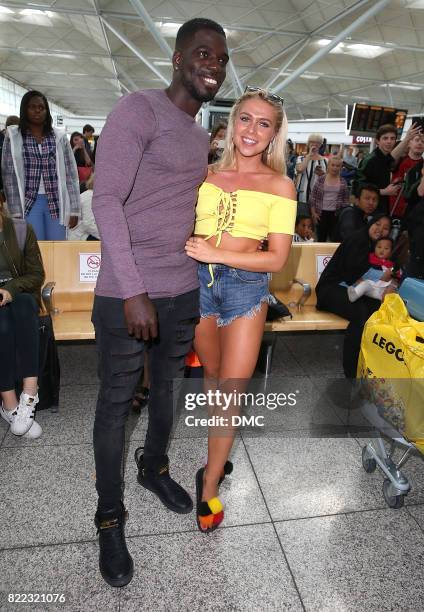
<point x="89" y="266"/>
<point x="361" y="139"/>
<point x="367" y="118"/>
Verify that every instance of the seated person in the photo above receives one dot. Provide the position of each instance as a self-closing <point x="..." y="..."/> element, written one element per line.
<point x="304" y="230"/>
<point x="355" y="217"/>
<point x="21" y="278"/>
<point x="380" y="274"/>
<point x="86" y="229"/>
<point x="347" y="265"/>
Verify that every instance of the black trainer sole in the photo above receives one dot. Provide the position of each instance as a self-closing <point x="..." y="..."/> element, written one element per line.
<point x="171" y="507"/>
<point x="118" y="582"/>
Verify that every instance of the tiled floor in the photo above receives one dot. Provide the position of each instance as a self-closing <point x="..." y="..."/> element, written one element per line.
<point x="305" y="527"/>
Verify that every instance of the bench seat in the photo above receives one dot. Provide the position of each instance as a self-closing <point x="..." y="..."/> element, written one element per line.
<point x="71" y="300"/>
<point x="308" y="319"/>
<point x="73" y="325"/>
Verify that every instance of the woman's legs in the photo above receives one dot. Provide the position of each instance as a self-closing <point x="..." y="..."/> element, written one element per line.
<point x="236" y="352"/>
<point x="19" y="346"/>
<point x="53" y="229"/>
<point x="44" y="226"/>
<point x="335" y="299"/>
<point x="36" y="217"/>
<point x="326" y="225"/>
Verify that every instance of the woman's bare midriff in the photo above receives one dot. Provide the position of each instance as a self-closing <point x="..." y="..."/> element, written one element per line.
<point x="231" y="243"/>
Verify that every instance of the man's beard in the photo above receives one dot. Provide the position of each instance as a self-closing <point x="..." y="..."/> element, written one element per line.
<point x="197" y="95"/>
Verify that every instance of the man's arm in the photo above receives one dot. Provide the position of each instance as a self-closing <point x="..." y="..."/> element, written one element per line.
<point x="126" y="133"/>
<point x="128" y="130"/>
<point x="402" y="148"/>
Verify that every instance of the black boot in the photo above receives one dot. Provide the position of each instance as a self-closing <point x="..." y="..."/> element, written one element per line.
<point x="154" y="476"/>
<point x="115" y="562"/>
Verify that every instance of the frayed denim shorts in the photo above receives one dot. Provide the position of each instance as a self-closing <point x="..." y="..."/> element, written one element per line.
<point x="234" y="293"/>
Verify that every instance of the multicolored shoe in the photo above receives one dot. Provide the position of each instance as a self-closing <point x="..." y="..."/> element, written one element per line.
<point x="209" y="514"/>
<point x="228" y="468"/>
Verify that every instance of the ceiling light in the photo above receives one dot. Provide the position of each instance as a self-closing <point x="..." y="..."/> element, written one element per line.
<point x="36" y="12"/>
<point x="360" y="50"/>
<point x="403" y="86"/>
<point x="312" y="77"/>
<point x="169" y="29"/>
<point x="47" y="54"/>
<point x="162" y="62"/>
<point x="4" y="9"/>
<point x="323" y="42"/>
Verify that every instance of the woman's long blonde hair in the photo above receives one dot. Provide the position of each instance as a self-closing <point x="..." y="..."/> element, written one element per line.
<point x="274" y="155"/>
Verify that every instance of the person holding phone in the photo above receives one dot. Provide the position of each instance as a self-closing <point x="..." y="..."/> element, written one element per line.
<point x="216" y="143"/>
<point x="376" y="168"/>
<point x="398" y="204"/>
<point x="308" y="168"/>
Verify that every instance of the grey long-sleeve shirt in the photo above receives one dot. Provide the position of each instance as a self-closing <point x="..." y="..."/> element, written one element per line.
<point x="150" y="160"/>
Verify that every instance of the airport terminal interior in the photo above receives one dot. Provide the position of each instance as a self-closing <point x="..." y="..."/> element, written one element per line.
<point x="314" y="521"/>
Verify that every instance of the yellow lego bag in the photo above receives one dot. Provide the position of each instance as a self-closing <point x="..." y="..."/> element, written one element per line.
<point x="391" y="366"/>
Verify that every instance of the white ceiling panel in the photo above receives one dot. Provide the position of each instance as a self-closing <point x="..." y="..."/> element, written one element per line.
<point x="62" y="48"/>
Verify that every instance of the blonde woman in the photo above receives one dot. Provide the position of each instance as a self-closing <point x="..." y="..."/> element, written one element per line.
<point x="245" y="198"/>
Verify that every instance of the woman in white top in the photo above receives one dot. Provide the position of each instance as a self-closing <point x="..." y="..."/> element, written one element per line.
<point x="86" y="228"/>
<point x="40" y="177"/>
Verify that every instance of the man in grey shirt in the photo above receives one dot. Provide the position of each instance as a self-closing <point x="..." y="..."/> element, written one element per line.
<point x="151" y="158"/>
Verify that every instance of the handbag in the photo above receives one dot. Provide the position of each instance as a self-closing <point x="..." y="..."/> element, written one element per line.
<point x="84" y="173"/>
<point x="277" y="310"/>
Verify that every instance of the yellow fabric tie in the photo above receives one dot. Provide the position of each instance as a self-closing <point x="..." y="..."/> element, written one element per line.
<point x="224" y="214"/>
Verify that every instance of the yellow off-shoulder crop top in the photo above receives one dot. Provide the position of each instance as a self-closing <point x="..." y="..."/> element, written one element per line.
<point x="242" y="213"/>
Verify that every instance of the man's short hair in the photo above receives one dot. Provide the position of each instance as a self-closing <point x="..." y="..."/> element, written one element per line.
<point x="88" y="128"/>
<point x="385" y="129"/>
<point x="368" y="187"/>
<point x="189" y="29"/>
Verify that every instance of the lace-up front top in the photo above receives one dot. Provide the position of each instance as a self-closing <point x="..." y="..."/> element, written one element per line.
<point x="242" y="213"/>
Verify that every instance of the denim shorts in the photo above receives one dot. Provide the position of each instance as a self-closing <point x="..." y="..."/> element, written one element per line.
<point x="234" y="293"/>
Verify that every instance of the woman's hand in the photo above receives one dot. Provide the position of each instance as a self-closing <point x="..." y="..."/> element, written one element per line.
<point x="5" y="296"/>
<point x="73" y="222"/>
<point x="201" y="250"/>
<point x="315" y="216"/>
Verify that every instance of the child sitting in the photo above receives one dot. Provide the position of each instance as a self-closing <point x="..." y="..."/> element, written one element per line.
<point x="304" y="229"/>
<point x="379" y="276"/>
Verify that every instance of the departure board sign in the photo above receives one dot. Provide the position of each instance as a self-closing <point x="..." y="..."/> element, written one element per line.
<point x="367" y="118"/>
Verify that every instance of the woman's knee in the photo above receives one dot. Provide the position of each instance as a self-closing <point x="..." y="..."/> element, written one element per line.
<point x="25" y="304"/>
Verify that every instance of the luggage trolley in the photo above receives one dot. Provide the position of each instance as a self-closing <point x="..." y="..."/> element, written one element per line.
<point x="384" y="403"/>
<point x="396" y="484"/>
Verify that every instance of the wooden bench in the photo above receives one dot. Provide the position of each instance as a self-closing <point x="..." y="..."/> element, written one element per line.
<point x="70" y="301"/>
<point x="295" y="287"/>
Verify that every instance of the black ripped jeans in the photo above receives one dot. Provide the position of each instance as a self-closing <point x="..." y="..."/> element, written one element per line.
<point x="119" y="368"/>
